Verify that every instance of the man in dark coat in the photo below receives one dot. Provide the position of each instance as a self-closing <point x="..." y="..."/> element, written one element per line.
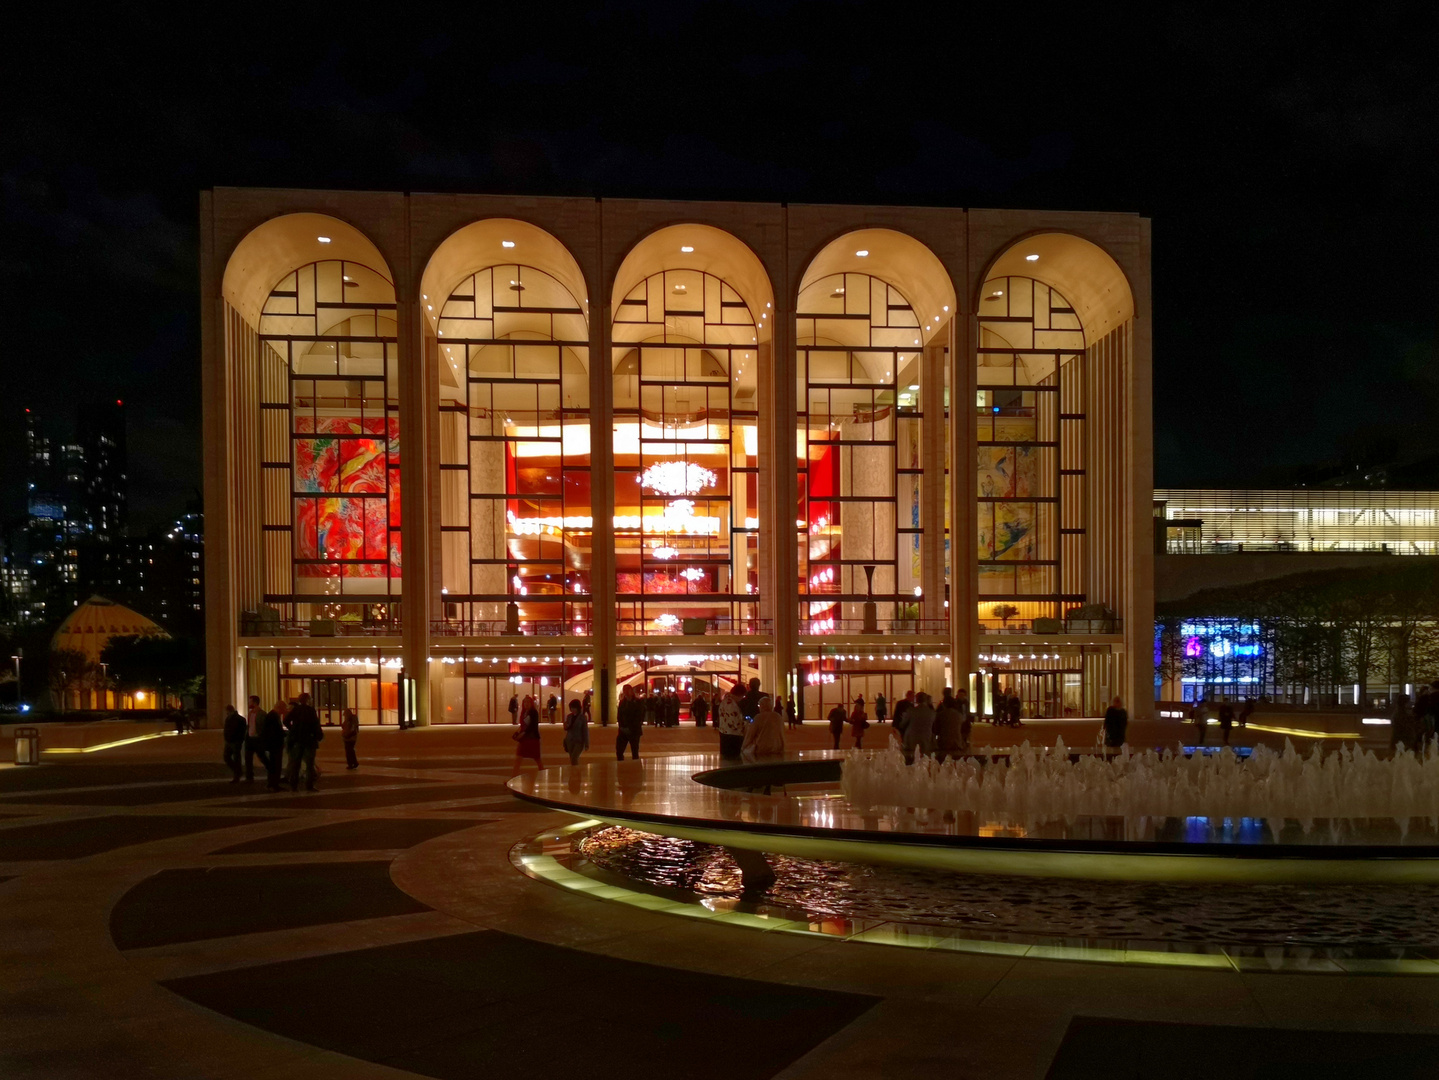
<point x="749" y="707"/>
<point x="631" y="724"/>
<point x="272" y="738"/>
<point x="234" y="734"/>
<point x="305" y="736"/>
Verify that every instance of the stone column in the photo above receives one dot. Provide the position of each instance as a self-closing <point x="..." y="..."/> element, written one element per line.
<point x="964" y="520"/>
<point x="419" y="482"/>
<point x="932" y="451"/>
<point x="602" y="501"/>
<point x="221" y="626"/>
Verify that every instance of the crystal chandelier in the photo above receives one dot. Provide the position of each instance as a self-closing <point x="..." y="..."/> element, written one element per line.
<point x="675" y="478"/>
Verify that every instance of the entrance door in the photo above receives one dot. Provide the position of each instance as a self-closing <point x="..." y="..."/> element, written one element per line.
<point x="331" y="698"/>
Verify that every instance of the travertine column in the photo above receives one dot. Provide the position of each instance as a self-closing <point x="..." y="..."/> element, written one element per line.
<point x="419" y="481"/>
<point x="602" y="500"/>
<point x="932" y="435"/>
<point x="964" y="544"/>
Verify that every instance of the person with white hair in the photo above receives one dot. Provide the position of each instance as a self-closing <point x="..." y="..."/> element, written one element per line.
<point x="765" y="737"/>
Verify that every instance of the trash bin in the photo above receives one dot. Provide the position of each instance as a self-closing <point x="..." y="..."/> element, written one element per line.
<point x="27" y="746"/>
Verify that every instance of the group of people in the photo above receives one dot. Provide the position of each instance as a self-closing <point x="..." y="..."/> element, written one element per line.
<point x="285" y="739"/>
<point x="1415" y="725"/>
<point x="1226" y="716"/>
<point x="941" y="730"/>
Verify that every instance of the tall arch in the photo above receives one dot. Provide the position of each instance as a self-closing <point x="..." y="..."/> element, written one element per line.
<point x="1055" y="466"/>
<point x="873" y="313"/>
<point x="691" y="331"/>
<point x="505" y="312"/>
<point x="311" y="351"/>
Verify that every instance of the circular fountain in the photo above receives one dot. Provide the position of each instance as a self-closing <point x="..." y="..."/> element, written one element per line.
<point x="1280" y="862"/>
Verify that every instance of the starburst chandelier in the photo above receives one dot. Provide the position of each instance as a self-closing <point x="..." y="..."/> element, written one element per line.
<point x="675" y="478"/>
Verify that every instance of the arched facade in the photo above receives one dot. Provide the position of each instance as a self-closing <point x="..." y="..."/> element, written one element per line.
<point x="442" y="496"/>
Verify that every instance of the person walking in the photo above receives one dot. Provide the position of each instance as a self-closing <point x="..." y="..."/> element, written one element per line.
<point x="729" y="720"/>
<point x="881" y="707"/>
<point x="630" y="721"/>
<point x="304" y="740"/>
<point x="672" y="708"/>
<point x="234" y="735"/>
<point x="577" y="732"/>
<point x="837" y="718"/>
<point x="586" y="708"/>
<point x="514" y="708"/>
<point x="750" y="705"/>
<point x="254" y="745"/>
<point x="1016" y="710"/>
<point x="858" y="721"/>
<point x="1116" y="723"/>
<point x="349" y="732"/>
<point x="1201" y="720"/>
<point x="902" y="706"/>
<point x="950" y="737"/>
<point x="699" y="709"/>
<point x="1403" y="728"/>
<point x="272" y="735"/>
<point x="765" y="737"/>
<point x="527" y="738"/>
<point x="1226" y="720"/>
<point x="1246" y="712"/>
<point x="552" y="708"/>
<point x="919" y="728"/>
<point x="791" y="715"/>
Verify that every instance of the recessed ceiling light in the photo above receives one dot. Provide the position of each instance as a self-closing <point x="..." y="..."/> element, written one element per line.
<point x="507" y="243"/>
<point x="1031" y="258"/>
<point x="686" y="248"/>
<point x="862" y="252"/>
<point x="946" y="307"/>
<point x="914" y="386"/>
<point x="323" y="239"/>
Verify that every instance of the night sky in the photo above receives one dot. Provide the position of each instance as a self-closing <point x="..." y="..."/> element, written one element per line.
<point x="1288" y="161"/>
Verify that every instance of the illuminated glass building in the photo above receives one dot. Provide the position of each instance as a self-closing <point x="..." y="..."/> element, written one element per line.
<point x="460" y="447"/>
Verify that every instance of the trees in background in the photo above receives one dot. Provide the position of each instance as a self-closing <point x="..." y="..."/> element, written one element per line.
<point x="1326" y="629"/>
<point x="172" y="666"/>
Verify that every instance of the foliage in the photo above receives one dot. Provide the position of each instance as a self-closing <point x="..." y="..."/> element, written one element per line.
<point x="170" y="665"/>
<point x="1327" y="629"/>
<point x="1004" y="612"/>
<point x="67" y="671"/>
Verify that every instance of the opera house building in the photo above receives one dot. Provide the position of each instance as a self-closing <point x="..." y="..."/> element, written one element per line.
<point x="462" y="447"/>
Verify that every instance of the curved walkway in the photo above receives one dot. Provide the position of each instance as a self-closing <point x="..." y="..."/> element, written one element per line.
<point x="158" y="921"/>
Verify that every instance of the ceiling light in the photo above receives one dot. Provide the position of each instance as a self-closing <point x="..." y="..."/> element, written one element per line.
<point x="1031" y="258"/>
<point x="323" y="239"/>
<point x="862" y="252"/>
<point x="686" y="248"/>
<point x="914" y="386"/>
<point x="507" y="243"/>
<point x="946" y="307"/>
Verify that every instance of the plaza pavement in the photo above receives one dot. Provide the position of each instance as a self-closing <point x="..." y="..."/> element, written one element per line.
<point x="158" y="921"/>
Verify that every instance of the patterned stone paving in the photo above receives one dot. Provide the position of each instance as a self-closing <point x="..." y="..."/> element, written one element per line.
<point x="160" y="922"/>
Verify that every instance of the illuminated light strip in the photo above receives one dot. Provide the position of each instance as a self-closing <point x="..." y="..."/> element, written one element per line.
<point x="105" y="746"/>
<point x="911" y="935"/>
<point x="1305" y="734"/>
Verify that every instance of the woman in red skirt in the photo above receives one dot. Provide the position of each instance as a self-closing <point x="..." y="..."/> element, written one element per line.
<point x="527" y="738"/>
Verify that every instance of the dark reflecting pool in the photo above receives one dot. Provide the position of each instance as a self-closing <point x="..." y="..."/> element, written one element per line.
<point x="1380" y="916"/>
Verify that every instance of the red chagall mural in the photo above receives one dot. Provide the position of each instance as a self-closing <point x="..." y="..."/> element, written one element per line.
<point x="346" y="458"/>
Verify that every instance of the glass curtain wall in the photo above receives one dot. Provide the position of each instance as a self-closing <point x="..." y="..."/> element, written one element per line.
<point x="858" y="354"/>
<point x="514" y="436"/>
<point x="1031" y="470"/>
<point x="686" y="464"/>
<point x="330" y="444"/>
